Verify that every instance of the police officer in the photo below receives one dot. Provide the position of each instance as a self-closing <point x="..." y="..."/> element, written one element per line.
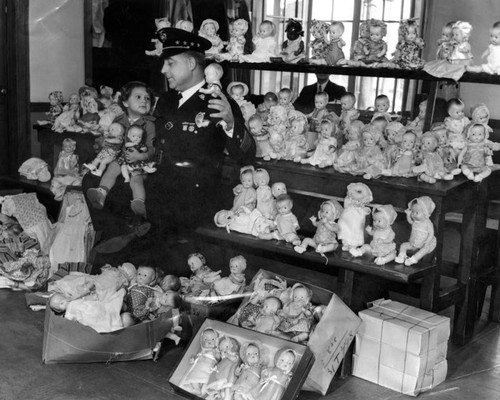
<point x="192" y="131"/>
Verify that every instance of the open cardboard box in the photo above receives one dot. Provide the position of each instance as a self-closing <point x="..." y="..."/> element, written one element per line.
<point x="302" y="365"/>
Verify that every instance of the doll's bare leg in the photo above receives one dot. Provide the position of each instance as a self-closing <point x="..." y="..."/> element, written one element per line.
<point x="427" y="178"/>
<point x="227" y="394"/>
<point x="267" y="236"/>
<point x="327" y="248"/>
<point x="300" y="337"/>
<point x="385" y="259"/>
<point x="483" y="174"/>
<point x="125" y="173"/>
<point x="358" y="252"/>
<point x="302" y="247"/>
<point x="400" y="259"/>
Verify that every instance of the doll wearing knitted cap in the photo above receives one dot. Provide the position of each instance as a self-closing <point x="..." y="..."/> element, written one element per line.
<point x="422" y="239"/>
<point x="382" y="245"/>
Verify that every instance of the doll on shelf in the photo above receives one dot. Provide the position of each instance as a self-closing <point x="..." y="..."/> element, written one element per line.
<point x="286" y="222"/>
<point x="480" y="114"/>
<point x="432" y="167"/>
<point x="264" y="42"/>
<point x="325" y="238"/>
<point x="410" y="46"/>
<point x="213" y="74"/>
<point x="244" y="193"/>
<point x="238" y="90"/>
<point x="135" y="139"/>
<point x="292" y="49"/>
<point x="382" y="106"/>
<point x="473" y="158"/>
<point x="370" y="160"/>
<point x="455" y="124"/>
<point x="357" y="50"/>
<point x="297" y="314"/>
<point x="201" y="275"/>
<point x="56" y="105"/>
<point x="261" y="180"/>
<point x="462" y="52"/>
<point x="277" y="189"/>
<point x="334" y="52"/>
<point x="263" y="109"/>
<point x="236" y="45"/>
<point x="261" y="137"/>
<point x="235" y="282"/>
<point x="382" y="246"/>
<point x="417" y="125"/>
<point x="346" y="156"/>
<point x="394" y="132"/>
<point x="445" y="43"/>
<point x="185" y="25"/>
<point x="208" y="30"/>
<point x="296" y="141"/>
<point x="422" y="240"/>
<point x="319" y="113"/>
<point x="89" y="118"/>
<point x="274" y="380"/>
<point x="140" y="296"/>
<point x="376" y="47"/>
<point x="492" y="53"/>
<point x="277" y="124"/>
<point x="248" y="373"/>
<point x="404" y="160"/>
<point x="112" y="146"/>
<point x="160" y="24"/>
<point x="352" y="220"/>
<point x="348" y="114"/>
<point x="203" y="364"/>
<point x="224" y="375"/>
<point x="67" y="163"/>
<point x="267" y="320"/>
<point x="319" y="45"/>
<point x="285" y="99"/>
<point x="324" y="154"/>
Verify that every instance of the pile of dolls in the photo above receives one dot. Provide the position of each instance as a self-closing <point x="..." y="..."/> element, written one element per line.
<point x="206" y="285"/>
<point x="116" y="298"/>
<point x="227" y="368"/>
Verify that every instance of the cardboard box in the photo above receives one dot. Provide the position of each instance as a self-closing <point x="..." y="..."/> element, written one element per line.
<point x="303" y="362"/>
<point x="66" y="341"/>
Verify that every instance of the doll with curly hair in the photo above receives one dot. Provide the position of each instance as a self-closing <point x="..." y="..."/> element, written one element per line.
<point x="410" y="45"/>
<point x="319" y="45"/>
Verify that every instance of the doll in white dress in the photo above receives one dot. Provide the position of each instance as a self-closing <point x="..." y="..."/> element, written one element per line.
<point x="264" y="195"/>
<point x="277" y="124"/>
<point x="208" y="30"/>
<point x="248" y="373"/>
<point x="261" y="137"/>
<point x="324" y="154"/>
<point x="236" y="46"/>
<point x="455" y="124"/>
<point x="346" y="156"/>
<point x="235" y="282"/>
<point x="286" y="222"/>
<point x="492" y="53"/>
<point x="432" y="167"/>
<point x="244" y="193"/>
<point x="296" y="141"/>
<point x="265" y="44"/>
<point x="223" y="376"/>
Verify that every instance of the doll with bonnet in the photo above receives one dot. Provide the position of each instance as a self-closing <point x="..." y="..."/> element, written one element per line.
<point x="297" y="314"/>
<point x="295" y="137"/>
<point x="319" y="45"/>
<point x="236" y="46"/>
<point x="208" y="30"/>
<point x="253" y="356"/>
<point x="410" y="45"/>
<point x="277" y="124"/>
<point x="238" y="90"/>
<point x="382" y="246"/>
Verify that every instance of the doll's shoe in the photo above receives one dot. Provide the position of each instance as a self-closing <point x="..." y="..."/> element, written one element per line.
<point x="299" y="249"/>
<point x="400" y="259"/>
<point x="356" y="252"/>
<point x="410" y="261"/>
<point x="96" y="197"/>
<point x="90" y="167"/>
<point x="149" y="169"/>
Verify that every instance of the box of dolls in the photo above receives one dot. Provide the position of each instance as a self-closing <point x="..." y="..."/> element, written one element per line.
<point x="301" y="313"/>
<point x="224" y="361"/>
<point x="215" y="309"/>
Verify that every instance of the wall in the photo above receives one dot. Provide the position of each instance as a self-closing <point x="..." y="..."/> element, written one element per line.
<point x="481" y="14"/>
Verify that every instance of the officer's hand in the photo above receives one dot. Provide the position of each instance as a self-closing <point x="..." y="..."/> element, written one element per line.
<point x="223" y="107"/>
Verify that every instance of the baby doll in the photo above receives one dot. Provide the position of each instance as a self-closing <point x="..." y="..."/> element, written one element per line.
<point x="445" y="45"/>
<point x="325" y="238"/>
<point x="274" y="380"/>
<point x="352" y="220"/>
<point x="379" y="124"/>
<point x="67" y="163"/>
<point x="285" y="99"/>
<point x="481" y="114"/>
<point x="224" y="375"/>
<point x="235" y="282"/>
<point x="382" y="246"/>
<point x="286" y="222"/>
<point x="170" y="298"/>
<point x="422" y="240"/>
<point x="473" y="158"/>
<point x="382" y="105"/>
<point x="185" y="25"/>
<point x="394" y="132"/>
<point x="265" y="44"/>
<point x="455" y="125"/>
<point x="261" y="137"/>
<point x="357" y="50"/>
<point x="292" y="49"/>
<point x="296" y="141"/>
<point x="409" y="47"/>
<point x="208" y="30"/>
<point x="319" y="45"/>
<point x="348" y="114"/>
<point x="66" y="121"/>
<point x="320" y="111"/>
<point x="375" y="47"/>
<point x="404" y="160"/>
<point x="346" y="156"/>
<point x="203" y="364"/>
<point x="432" y="166"/>
<point x="277" y="188"/>
<point x="140" y="296"/>
<point x="461" y="53"/>
<point x="89" y="119"/>
<point x="236" y="46"/>
<point x="160" y="24"/>
<point x="370" y="159"/>
<point x="264" y="195"/>
<point x="202" y="276"/>
<point x="56" y="107"/>
<point x="267" y="320"/>
<point x="112" y="146"/>
<point x="297" y="314"/>
<point x="492" y="53"/>
<point x="335" y="43"/>
<point x="238" y="91"/>
<point x="135" y="139"/>
<point x="443" y="148"/>
<point x="324" y="154"/>
<point x="263" y="109"/>
<point x="244" y="193"/>
<point x="277" y="124"/>
<point x="417" y="125"/>
<point x="213" y="74"/>
<point x="248" y="373"/>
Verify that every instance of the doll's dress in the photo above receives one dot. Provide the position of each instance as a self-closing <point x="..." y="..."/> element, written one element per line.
<point x="325" y="233"/>
<point x="287" y="226"/>
<point x="271" y="386"/>
<point x="265" y="48"/>
<point x="224" y="374"/>
<point x="234" y="283"/>
<point x="370" y="160"/>
<point x="493" y="60"/>
<point x="374" y="48"/>
<point x="54" y="111"/>
<point x="334" y="52"/>
<point x="296" y="146"/>
<point x="346" y="157"/>
<point x="357" y="51"/>
<point x="456" y="126"/>
<point x="290" y="47"/>
<point x="248" y="379"/>
<point x="323" y="153"/>
<point x="319" y="48"/>
<point x="392" y="152"/>
<point x="409" y="54"/>
<point x="461" y="54"/>
<point x="65" y="120"/>
<point x="247" y="109"/>
<point x="294" y="319"/>
<point x="31" y="269"/>
<point x="108" y="282"/>
<point x="404" y="164"/>
<point x="136" y="166"/>
<point x="315" y="117"/>
<point x="266" y="323"/>
<point x="380" y="245"/>
<point x="352" y="224"/>
<point x="416" y="126"/>
<point x="74" y="285"/>
<point x="244" y="197"/>
<point x="277" y="141"/>
<point x="136" y="299"/>
<point x="200" y="371"/>
<point x="434" y="165"/>
<point x="265" y="201"/>
<point x="216" y="41"/>
<point x="420" y="231"/>
<point x="475" y="156"/>
<point x="67" y="164"/>
<point x="263" y="147"/>
<point x="235" y="48"/>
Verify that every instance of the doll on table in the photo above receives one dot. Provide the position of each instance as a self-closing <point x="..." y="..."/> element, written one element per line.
<point x="394" y="132"/>
<point x="410" y="46"/>
<point x="334" y="52"/>
<point x="346" y="156"/>
<point x="348" y="114"/>
<point x="277" y="189"/>
<point x="208" y="30"/>
<point x="261" y="137"/>
<point x="417" y="125"/>
<point x="382" y="106"/>
<point x="224" y="375"/>
<point x="352" y="220"/>
<point x="264" y="195"/>
<point x="492" y="53"/>
<point x="236" y="46"/>
<point x="277" y="125"/>
<point x="319" y="45"/>
<point x="201" y="275"/>
<point x="324" y="154"/>
<point x="66" y="121"/>
<point x="292" y="49"/>
<point x="264" y="108"/>
<point x="56" y="108"/>
<point x="67" y="163"/>
<point x="248" y="373"/>
<point x="213" y="74"/>
<point x="202" y="365"/>
<point x="404" y="160"/>
<point x="135" y="139"/>
<point x="480" y="114"/>
<point x="286" y="222"/>
<point x="455" y="125"/>
<point x="267" y="320"/>
<point x="320" y="111"/>
<point x="141" y="295"/>
<point x="370" y="160"/>
<point x="244" y="193"/>
<point x="462" y="52"/>
<point x="296" y="141"/>
<point x="432" y="167"/>
<point x="382" y="246"/>
<point x="235" y="282"/>
<point x="264" y="42"/>
<point x="325" y="238"/>
<point x="375" y="47"/>
<point x="285" y="99"/>
<point x="113" y="141"/>
<point x="422" y="240"/>
<point x="238" y="91"/>
<point x="445" y="44"/>
<point x="297" y="314"/>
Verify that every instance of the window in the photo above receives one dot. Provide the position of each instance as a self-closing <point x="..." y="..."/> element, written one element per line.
<point x="350" y="13"/>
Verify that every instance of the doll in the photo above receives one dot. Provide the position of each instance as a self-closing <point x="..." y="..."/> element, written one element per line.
<point x="265" y="44"/>
<point x="352" y="220"/>
<point x="90" y="115"/>
<point x="335" y="43"/>
<point x="404" y="160"/>
<point x="160" y="23"/>
<point x="394" y="132"/>
<point x="263" y="109"/>
<point x="379" y="124"/>
<point x="140" y="296"/>
<point x="267" y="320"/>
<point x="297" y="314"/>
<point x="66" y="121"/>
<point x="445" y="45"/>
<point x="348" y="114"/>
<point x="382" y="246"/>
<point x="481" y="115"/>
<point x="67" y="163"/>
<point x="236" y="45"/>
<point x="213" y="74"/>
<point x="324" y="154"/>
<point x="277" y="124"/>
<point x="170" y="297"/>
<point x="235" y="282"/>
<point x="492" y="53"/>
<point x="319" y="45"/>
<point x="185" y="25"/>
<point x="296" y="141"/>
<point x="248" y="373"/>
<point x="244" y="193"/>
<point x="112" y="145"/>
<point x="201" y="275"/>
<point x="261" y="137"/>
<point x="264" y="196"/>
<point x="462" y="53"/>
<point x="56" y="108"/>
<point x="203" y="363"/>
<point x="35" y="169"/>
<point x="238" y="91"/>
<point x="286" y="222"/>
<point x="224" y="375"/>
<point x="455" y="125"/>
<point x="208" y="30"/>
<point x="249" y="222"/>
<point x="274" y="380"/>
<point x="277" y="189"/>
<point x="417" y="125"/>
<point x="382" y="105"/>
<point x="422" y="240"/>
<point x="473" y="158"/>
<point x="409" y="47"/>
<point x="292" y="49"/>
<point x="285" y="99"/>
<point x="325" y="238"/>
<point x="357" y="50"/>
<point x="135" y="139"/>
<point x="346" y="156"/>
<point x="432" y="166"/>
<point x="370" y="160"/>
<point x="375" y="47"/>
<point x="319" y="113"/>
<point x="443" y="148"/>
